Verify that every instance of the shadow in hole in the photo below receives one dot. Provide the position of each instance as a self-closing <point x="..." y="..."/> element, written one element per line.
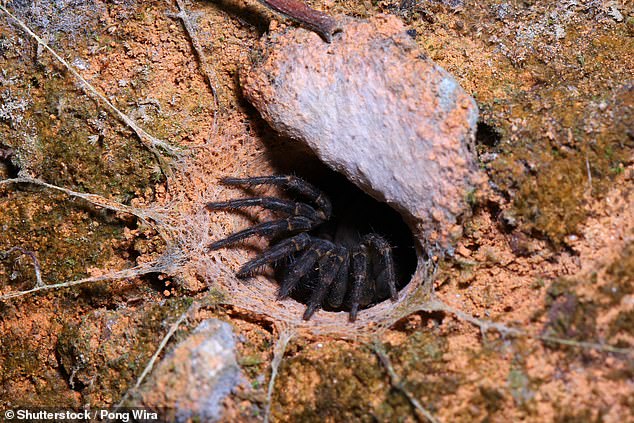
<point x="8" y="168"/>
<point x="487" y="135"/>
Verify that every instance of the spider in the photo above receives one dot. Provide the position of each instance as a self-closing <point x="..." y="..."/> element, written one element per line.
<point x="330" y="264"/>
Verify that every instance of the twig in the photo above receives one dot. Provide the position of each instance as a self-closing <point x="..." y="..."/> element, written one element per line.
<point x="150" y="142"/>
<point x="314" y="20"/>
<point x="121" y="274"/>
<point x="148" y="368"/>
<point x="589" y="173"/>
<point x="208" y="71"/>
<point x="91" y="198"/>
<point x="36" y="263"/>
<point x="586" y="345"/>
<point x="286" y="335"/>
<point x="421" y="412"/>
<point x="436" y="305"/>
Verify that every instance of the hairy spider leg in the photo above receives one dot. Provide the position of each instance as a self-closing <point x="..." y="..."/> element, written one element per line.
<point x="273" y="228"/>
<point x="302" y="266"/>
<point x="385" y="250"/>
<point x="280" y="250"/>
<point x="271" y="203"/>
<point x="360" y="264"/>
<point x="337" y="293"/>
<point x="289" y="182"/>
<point x="329" y="266"/>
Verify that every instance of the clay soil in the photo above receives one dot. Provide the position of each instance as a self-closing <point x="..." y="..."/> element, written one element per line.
<point x="548" y="249"/>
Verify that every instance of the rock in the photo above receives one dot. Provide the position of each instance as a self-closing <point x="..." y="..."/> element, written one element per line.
<point x="373" y="107"/>
<point x="194" y="379"/>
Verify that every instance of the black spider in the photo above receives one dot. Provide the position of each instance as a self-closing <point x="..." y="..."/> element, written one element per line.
<point x="335" y="266"/>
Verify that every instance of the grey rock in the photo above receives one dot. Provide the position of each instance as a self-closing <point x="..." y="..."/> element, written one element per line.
<point x="194" y="379"/>
<point x="373" y="107"/>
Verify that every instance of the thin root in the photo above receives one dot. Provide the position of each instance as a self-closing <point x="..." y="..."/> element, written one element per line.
<point x="395" y="380"/>
<point x="121" y="274"/>
<point x="36" y="263"/>
<point x="485" y="325"/>
<point x="286" y="333"/>
<point x="150" y="365"/>
<point x="155" y="145"/>
<point x="95" y="199"/>
<point x="206" y="69"/>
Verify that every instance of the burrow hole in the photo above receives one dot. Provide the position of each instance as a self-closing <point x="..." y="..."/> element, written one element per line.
<point x="354" y="215"/>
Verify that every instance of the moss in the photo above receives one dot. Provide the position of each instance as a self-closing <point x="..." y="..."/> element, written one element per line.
<point x="580" y="416"/>
<point x="351" y="385"/>
<point x="253" y="353"/>
<point x="620" y="275"/>
<point x="421" y="348"/>
<point x="61" y="134"/>
<point x="623" y="323"/>
<point x="65" y="138"/>
<point x="536" y="169"/>
<point x="20" y="360"/>
<point x="251" y="360"/>
<point x="551" y="199"/>
<point x="103" y="355"/>
<point x="561" y="145"/>
<point x="569" y="317"/>
<point x="551" y="180"/>
<point x="490" y="399"/>
<point x="86" y="149"/>
<point x="519" y="385"/>
<point x="420" y="363"/>
<point x="26" y="362"/>
<point x="53" y="227"/>
<point x="345" y="384"/>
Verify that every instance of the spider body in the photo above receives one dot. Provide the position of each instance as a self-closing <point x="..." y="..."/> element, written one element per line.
<point x="329" y="263"/>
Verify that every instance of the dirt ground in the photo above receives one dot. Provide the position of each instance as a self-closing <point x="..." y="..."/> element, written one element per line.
<point x="548" y="249"/>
